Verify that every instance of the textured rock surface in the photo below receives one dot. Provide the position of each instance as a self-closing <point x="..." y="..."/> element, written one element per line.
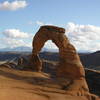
<point x="24" y="63"/>
<point x="69" y="67"/>
<point x="93" y="79"/>
<point x="28" y="85"/>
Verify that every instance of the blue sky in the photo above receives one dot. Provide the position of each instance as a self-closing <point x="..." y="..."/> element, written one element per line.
<point x="28" y="17"/>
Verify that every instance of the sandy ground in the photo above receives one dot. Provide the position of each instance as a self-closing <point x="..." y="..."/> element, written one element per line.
<point x="28" y="85"/>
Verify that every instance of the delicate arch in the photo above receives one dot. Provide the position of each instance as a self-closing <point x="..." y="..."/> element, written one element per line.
<point x="67" y="51"/>
<point x="69" y="65"/>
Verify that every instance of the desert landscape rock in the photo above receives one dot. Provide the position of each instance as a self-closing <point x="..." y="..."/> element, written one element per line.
<point x="93" y="80"/>
<point x="69" y="67"/>
<point x="41" y="79"/>
<point x="28" y="85"/>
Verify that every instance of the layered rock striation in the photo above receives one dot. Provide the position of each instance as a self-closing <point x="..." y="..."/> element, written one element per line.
<point x="69" y="67"/>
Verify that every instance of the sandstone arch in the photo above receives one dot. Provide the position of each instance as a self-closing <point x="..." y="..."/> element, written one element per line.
<point x="69" y="66"/>
<point x="67" y="52"/>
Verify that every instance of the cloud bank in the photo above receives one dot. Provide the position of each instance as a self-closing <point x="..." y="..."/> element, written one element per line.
<point x="11" y="43"/>
<point x="15" y="33"/>
<point x="84" y="37"/>
<point x="14" y="38"/>
<point x="12" y="6"/>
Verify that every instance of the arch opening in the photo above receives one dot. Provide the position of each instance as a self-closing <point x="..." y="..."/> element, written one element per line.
<point x="69" y="66"/>
<point x="67" y="53"/>
<point x="49" y="46"/>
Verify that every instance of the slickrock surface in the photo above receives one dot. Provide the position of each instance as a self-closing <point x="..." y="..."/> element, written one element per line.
<point x="28" y="85"/>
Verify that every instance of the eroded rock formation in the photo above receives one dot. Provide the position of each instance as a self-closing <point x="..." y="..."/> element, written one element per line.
<point x="69" y="66"/>
<point x="93" y="79"/>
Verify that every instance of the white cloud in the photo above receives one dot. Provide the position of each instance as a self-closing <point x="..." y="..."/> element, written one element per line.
<point x="84" y="37"/>
<point x="15" y="38"/>
<point x="40" y="23"/>
<point x="15" y="33"/>
<point x="15" y="5"/>
<point x="11" y="43"/>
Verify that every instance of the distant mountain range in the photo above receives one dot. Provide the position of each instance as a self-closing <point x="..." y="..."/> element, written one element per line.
<point x="21" y="49"/>
<point x="25" y="49"/>
<point x="89" y="60"/>
<point x="29" y="49"/>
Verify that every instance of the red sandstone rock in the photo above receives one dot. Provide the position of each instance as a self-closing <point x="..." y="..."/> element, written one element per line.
<point x="69" y="66"/>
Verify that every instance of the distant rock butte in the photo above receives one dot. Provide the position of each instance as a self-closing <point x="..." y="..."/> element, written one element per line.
<point x="69" y="67"/>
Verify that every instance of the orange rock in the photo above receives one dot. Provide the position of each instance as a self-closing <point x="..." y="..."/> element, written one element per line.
<point x="69" y="66"/>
